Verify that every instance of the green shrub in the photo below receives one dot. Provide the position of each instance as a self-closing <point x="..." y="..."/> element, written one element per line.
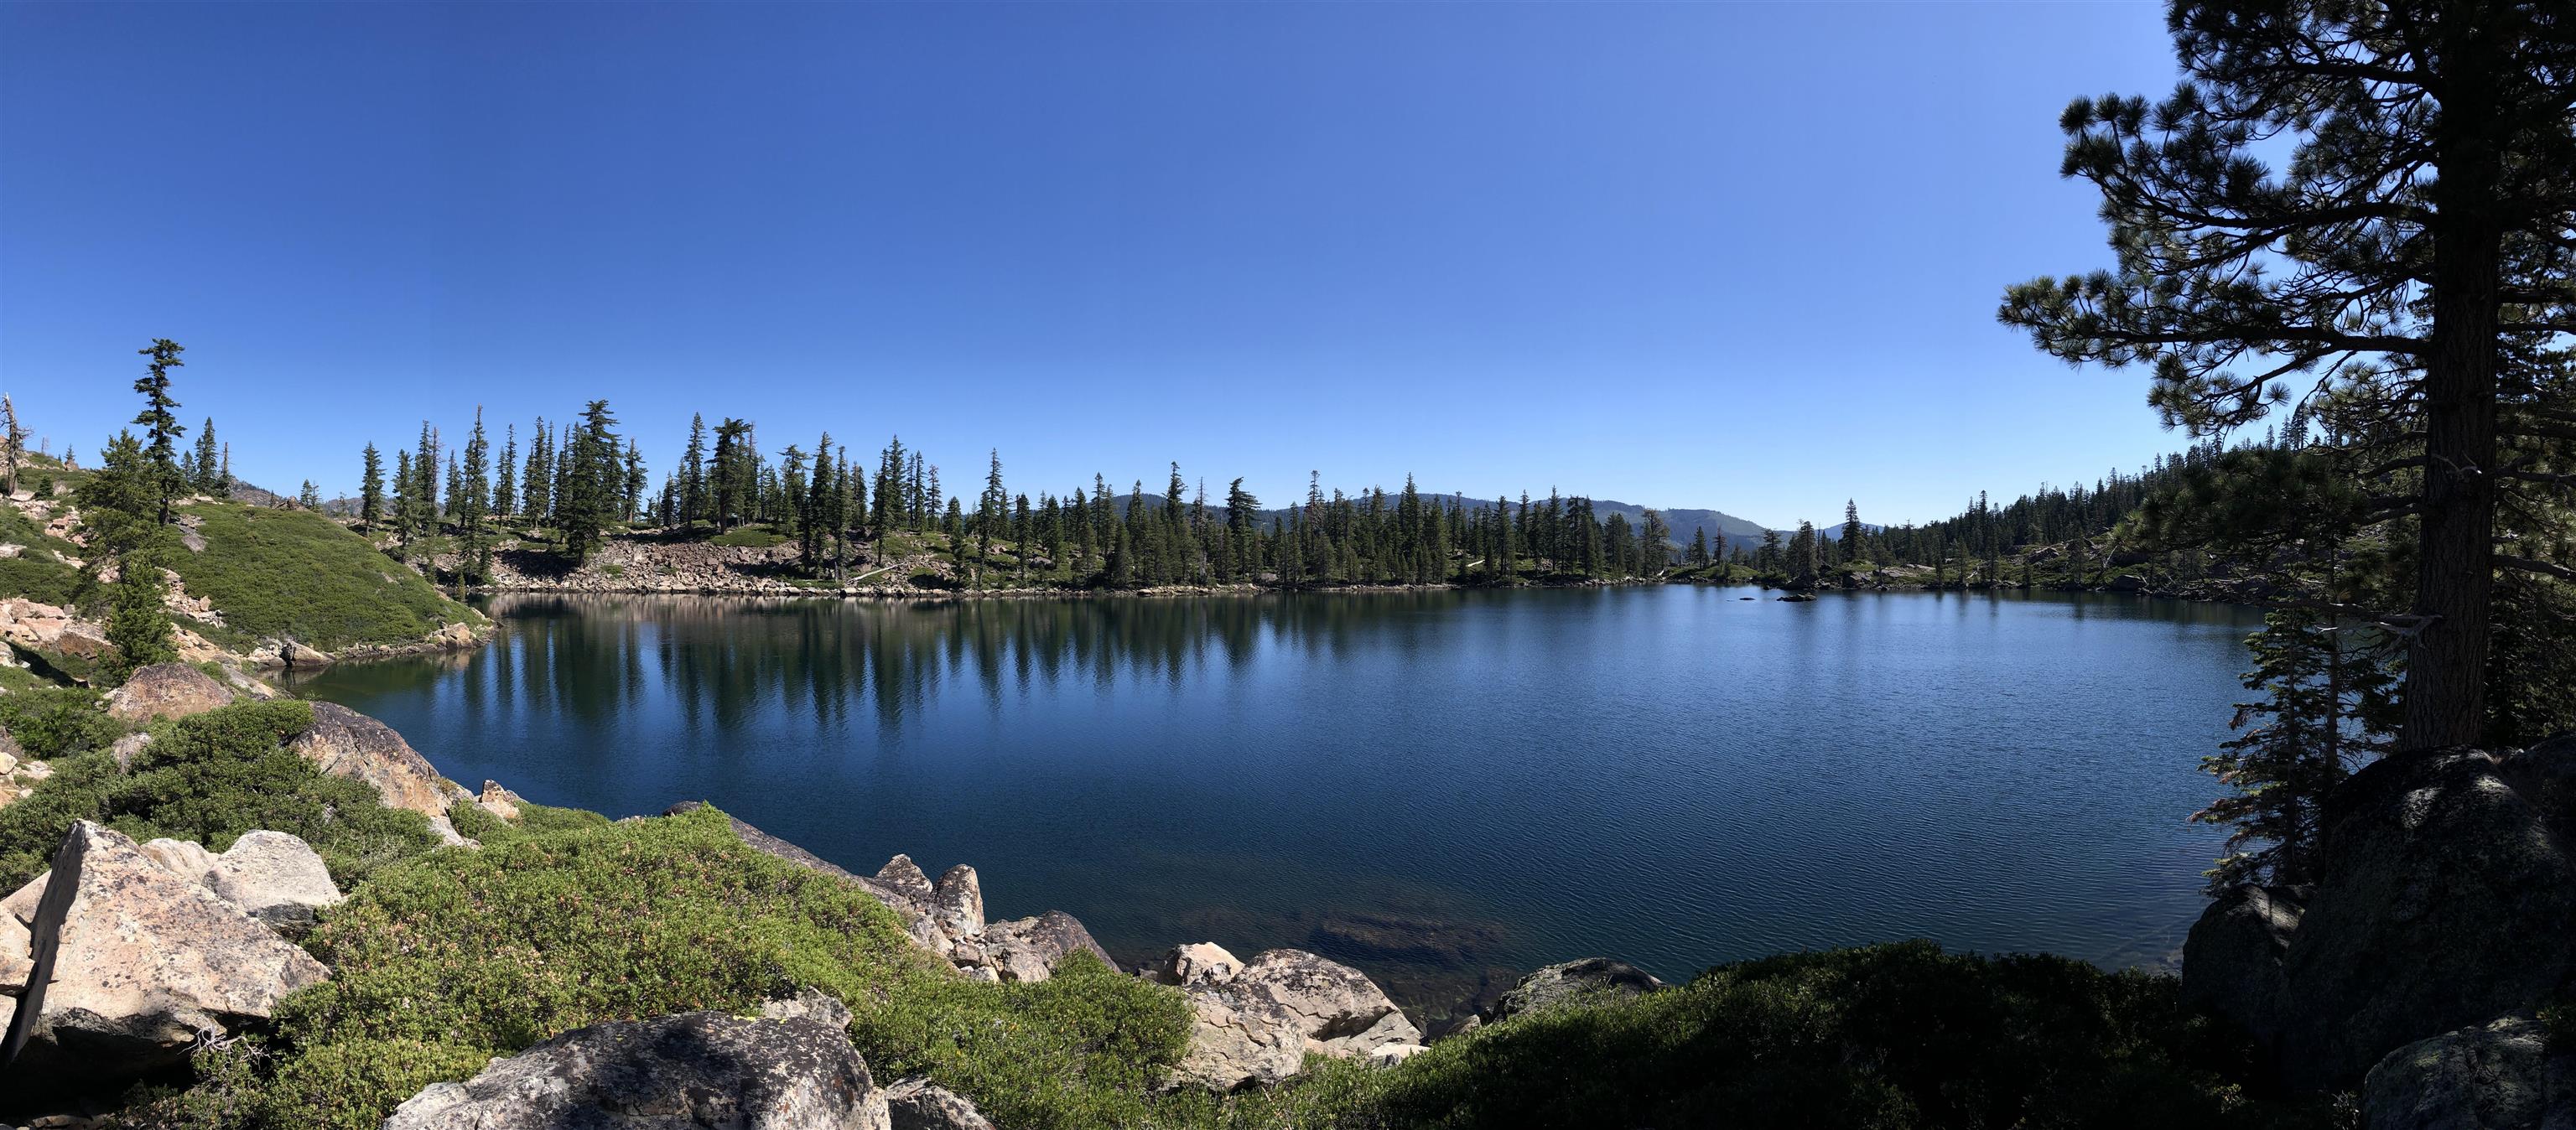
<point x="210" y="778"/>
<point x="474" y="823"/>
<point x="1894" y="1036"/>
<point x="54" y="721"/>
<point x="297" y="574"/>
<point x="38" y="572"/>
<point x="462" y="955"/>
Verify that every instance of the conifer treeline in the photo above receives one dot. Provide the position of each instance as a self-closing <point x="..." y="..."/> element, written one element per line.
<point x="581" y="480"/>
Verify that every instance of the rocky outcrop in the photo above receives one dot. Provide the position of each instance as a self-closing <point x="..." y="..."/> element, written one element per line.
<point x="1198" y="963"/>
<point x="809" y="1004"/>
<point x="945" y="917"/>
<point x="2499" y="1076"/>
<point x="919" y="1104"/>
<point x="1026" y="949"/>
<point x="166" y="690"/>
<point x="696" y="1069"/>
<point x="2235" y="956"/>
<point x="345" y="743"/>
<point x="18" y="772"/>
<point x="1255" y="1027"/>
<point x="128" y="965"/>
<point x="271" y="876"/>
<point x="1592" y="978"/>
<point x="2445" y="899"/>
<point x="54" y="636"/>
<point x="957" y="902"/>
<point x="499" y="801"/>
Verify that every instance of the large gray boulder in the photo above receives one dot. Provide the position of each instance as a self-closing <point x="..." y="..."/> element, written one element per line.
<point x="1591" y="978"/>
<point x="166" y="690"/>
<point x="1256" y="1026"/>
<point x="271" y="876"/>
<point x="2499" y="1076"/>
<point x="2235" y="952"/>
<point x="345" y="743"/>
<point x="2445" y="899"/>
<point x="128" y="965"/>
<point x="957" y="902"/>
<point x="696" y="1069"/>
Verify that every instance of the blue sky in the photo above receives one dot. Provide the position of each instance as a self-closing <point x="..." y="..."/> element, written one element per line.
<point x="1737" y="256"/>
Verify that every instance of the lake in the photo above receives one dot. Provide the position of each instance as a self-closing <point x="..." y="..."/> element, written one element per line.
<point x="1443" y="788"/>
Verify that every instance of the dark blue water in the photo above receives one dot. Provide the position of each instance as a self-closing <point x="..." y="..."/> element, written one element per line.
<point x="1442" y="788"/>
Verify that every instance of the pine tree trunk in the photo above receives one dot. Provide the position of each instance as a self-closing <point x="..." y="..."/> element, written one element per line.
<point x="2446" y="661"/>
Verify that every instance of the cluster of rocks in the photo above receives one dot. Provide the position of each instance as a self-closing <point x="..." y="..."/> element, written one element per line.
<point x="2441" y="920"/>
<point x="651" y="565"/>
<point x="56" y="637"/>
<point x="19" y="773"/>
<point x="123" y="957"/>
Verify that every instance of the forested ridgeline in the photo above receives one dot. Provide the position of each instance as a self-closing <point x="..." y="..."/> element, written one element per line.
<point x="533" y="514"/>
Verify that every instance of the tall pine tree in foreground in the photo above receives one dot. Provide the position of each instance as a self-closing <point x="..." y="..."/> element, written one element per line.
<point x="2371" y="199"/>
<point x="160" y="425"/>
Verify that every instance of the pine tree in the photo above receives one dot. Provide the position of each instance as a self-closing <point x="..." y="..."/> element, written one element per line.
<point x="632" y="497"/>
<point x="592" y="482"/>
<point x="694" y="502"/>
<point x="160" y="425"/>
<point x="371" y="487"/>
<point x="206" y="470"/>
<point x="404" y="480"/>
<point x="505" y="491"/>
<point x="2371" y="200"/>
<point x="473" y="501"/>
<point x="118" y="510"/>
<point x="2298" y="742"/>
<point x="309" y="497"/>
<point x="536" y="484"/>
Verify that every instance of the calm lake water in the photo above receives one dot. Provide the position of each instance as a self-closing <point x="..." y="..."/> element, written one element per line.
<point x="1445" y="789"/>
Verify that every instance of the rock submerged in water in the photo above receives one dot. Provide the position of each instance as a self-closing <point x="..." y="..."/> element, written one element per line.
<point x="695" y="1069"/>
<point x="2446" y="900"/>
<point x="124" y="965"/>
<point x="1254" y="1027"/>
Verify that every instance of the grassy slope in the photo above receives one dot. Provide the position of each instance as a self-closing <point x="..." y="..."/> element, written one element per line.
<point x="297" y="574"/>
<point x="38" y="572"/>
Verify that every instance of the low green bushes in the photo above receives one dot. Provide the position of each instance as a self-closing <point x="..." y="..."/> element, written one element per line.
<point x="458" y="956"/>
<point x="38" y="572"/>
<point x="473" y="822"/>
<point x="1888" y="1036"/>
<point x="208" y="778"/>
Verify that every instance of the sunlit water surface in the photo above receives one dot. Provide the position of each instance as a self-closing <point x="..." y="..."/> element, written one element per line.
<point x="1441" y="788"/>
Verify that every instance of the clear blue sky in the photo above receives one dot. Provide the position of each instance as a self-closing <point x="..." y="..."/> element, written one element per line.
<point x="1738" y="256"/>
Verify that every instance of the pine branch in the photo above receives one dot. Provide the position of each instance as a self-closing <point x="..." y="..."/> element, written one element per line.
<point x="2527" y="565"/>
